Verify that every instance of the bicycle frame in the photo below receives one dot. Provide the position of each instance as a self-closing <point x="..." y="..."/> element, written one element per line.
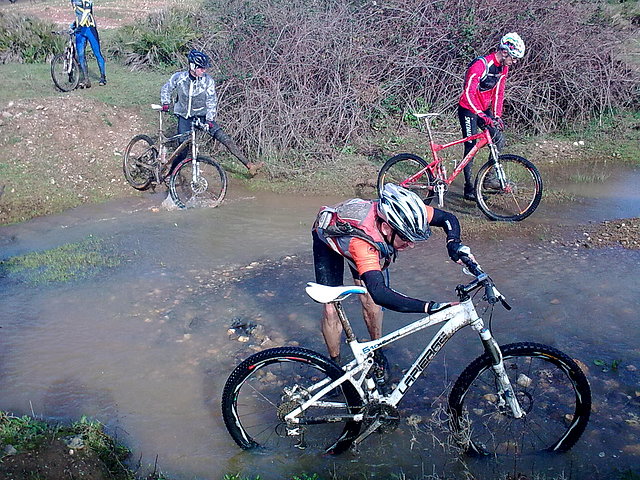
<point x="187" y="139"/>
<point x="437" y="168"/>
<point x="456" y="317"/>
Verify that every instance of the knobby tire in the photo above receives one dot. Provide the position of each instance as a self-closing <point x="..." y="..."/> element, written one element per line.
<point x="254" y="402"/>
<point x="520" y="196"/>
<point x="400" y="168"/>
<point x="551" y="389"/>
<point x="140" y="160"/>
<point x="209" y="189"/>
<point x="62" y="80"/>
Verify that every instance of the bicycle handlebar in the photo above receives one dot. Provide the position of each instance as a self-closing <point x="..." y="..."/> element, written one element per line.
<point x="491" y="293"/>
<point x="196" y="122"/>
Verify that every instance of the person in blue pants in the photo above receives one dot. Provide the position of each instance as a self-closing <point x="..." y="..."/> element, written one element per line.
<point x="86" y="31"/>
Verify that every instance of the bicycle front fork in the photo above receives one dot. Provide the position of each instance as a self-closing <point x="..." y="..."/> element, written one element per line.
<point x="497" y="167"/>
<point x="506" y="395"/>
<point x="440" y="191"/>
<point x="195" y="169"/>
<point x="441" y="186"/>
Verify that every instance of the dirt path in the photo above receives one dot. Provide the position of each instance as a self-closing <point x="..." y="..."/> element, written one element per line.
<point x="111" y="14"/>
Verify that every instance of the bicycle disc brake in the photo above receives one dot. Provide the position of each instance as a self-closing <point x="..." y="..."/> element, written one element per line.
<point x="200" y="185"/>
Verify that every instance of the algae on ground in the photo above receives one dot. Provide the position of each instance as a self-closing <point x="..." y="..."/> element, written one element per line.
<point x="65" y="263"/>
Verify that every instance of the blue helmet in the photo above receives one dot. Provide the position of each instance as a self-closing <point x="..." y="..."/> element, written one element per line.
<point x="198" y="59"/>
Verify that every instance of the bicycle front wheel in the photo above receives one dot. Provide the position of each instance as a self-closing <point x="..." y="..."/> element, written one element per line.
<point x="65" y="72"/>
<point x="206" y="189"/>
<point x="403" y="170"/>
<point x="140" y="160"/>
<point x="270" y="384"/>
<point x="551" y="389"/>
<point x="520" y="195"/>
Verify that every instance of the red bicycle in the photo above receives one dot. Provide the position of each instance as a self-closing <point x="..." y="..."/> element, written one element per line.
<point x="507" y="187"/>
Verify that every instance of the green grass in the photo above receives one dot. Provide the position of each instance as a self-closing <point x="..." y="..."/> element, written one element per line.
<point x="28" y="81"/>
<point x="62" y="264"/>
<point x="28" y="434"/>
<point x="557" y="196"/>
<point x="22" y="81"/>
<point x="23" y="433"/>
<point x="108" y="450"/>
<point x="590" y="178"/>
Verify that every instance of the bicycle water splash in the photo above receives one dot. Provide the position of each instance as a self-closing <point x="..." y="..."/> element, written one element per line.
<point x="192" y="183"/>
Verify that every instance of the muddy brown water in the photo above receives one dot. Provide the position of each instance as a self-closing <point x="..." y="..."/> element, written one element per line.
<point x="144" y="347"/>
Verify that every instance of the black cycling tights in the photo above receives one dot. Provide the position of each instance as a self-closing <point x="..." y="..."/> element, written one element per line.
<point x="184" y="125"/>
<point x="470" y="122"/>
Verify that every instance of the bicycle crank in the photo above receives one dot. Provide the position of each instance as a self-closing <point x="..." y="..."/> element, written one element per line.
<point x="380" y="418"/>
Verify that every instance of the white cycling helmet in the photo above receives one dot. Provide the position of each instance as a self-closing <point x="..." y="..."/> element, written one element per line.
<point x="513" y="44"/>
<point x="405" y="212"/>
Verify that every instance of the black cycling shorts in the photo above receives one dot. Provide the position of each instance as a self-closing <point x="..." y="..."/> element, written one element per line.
<point x="329" y="264"/>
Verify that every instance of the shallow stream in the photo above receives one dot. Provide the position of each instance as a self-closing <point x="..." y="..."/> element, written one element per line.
<point x="144" y="347"/>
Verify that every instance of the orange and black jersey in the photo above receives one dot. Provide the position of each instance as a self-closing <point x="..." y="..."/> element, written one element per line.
<point x="369" y="259"/>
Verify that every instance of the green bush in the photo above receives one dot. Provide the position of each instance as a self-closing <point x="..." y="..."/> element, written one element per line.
<point x="160" y="42"/>
<point x="23" y="433"/>
<point x="27" y="40"/>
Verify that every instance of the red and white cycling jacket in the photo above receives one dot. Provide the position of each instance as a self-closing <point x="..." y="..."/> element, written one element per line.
<point x="484" y="85"/>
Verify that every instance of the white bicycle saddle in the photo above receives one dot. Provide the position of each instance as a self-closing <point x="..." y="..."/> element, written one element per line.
<point x="325" y="294"/>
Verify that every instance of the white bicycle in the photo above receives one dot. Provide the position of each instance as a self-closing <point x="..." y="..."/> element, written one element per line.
<point x="515" y="399"/>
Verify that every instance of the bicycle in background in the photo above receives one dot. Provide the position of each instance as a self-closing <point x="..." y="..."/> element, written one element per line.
<point x="65" y="69"/>
<point x="507" y="187"/>
<point x="513" y="400"/>
<point x="192" y="183"/>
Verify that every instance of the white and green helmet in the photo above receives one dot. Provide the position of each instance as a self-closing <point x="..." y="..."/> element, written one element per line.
<point x="405" y="212"/>
<point x="513" y="44"/>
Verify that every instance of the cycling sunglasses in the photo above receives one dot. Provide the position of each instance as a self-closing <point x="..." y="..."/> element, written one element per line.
<point x="403" y="237"/>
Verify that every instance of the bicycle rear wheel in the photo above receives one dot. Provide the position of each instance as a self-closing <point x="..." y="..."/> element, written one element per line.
<point x="270" y="384"/>
<point x="401" y="169"/>
<point x="140" y="160"/>
<point x="65" y="76"/>
<point x="207" y="190"/>
<point x="551" y="389"/>
<point x="518" y="198"/>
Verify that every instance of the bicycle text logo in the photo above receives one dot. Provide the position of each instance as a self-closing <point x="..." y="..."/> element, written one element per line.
<point x="424" y="361"/>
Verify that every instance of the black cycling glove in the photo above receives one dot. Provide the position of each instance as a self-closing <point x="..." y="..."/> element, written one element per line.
<point x="457" y="249"/>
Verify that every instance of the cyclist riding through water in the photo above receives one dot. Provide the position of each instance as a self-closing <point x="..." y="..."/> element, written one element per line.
<point x="368" y="234"/>
<point x="196" y="97"/>
<point x="480" y="104"/>
<point x="85" y="29"/>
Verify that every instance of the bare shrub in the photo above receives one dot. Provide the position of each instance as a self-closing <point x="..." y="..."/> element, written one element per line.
<point x="303" y="79"/>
